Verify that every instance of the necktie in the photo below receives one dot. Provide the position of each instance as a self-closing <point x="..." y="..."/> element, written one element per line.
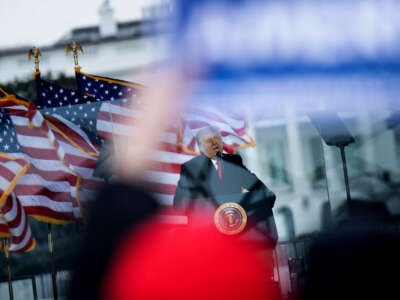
<point x="219" y="169"/>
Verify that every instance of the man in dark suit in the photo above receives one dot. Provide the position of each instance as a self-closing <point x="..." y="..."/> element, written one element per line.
<point x="214" y="178"/>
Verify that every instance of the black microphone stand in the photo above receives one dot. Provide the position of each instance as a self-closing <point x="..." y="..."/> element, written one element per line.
<point x="334" y="133"/>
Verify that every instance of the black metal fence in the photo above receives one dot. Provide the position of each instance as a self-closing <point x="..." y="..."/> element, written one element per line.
<point x="36" y="287"/>
<point x="291" y="264"/>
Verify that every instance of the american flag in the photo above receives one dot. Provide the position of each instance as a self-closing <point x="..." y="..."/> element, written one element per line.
<point x="70" y="105"/>
<point x="99" y="118"/>
<point x="48" y="190"/>
<point x="116" y="96"/>
<point x="105" y="118"/>
<point x="53" y="95"/>
<point x="108" y="119"/>
<point x="14" y="219"/>
<point x="73" y="121"/>
<point x="105" y="88"/>
<point x="163" y="175"/>
<point x="79" y="154"/>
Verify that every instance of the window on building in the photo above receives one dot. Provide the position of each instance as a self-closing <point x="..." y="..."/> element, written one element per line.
<point x="317" y="160"/>
<point x="272" y="155"/>
<point x="354" y="157"/>
<point x="397" y="141"/>
<point x="276" y="162"/>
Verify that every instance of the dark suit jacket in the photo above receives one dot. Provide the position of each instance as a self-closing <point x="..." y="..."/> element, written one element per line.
<point x="199" y="184"/>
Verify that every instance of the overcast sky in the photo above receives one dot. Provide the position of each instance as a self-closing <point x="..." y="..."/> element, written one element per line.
<point x="42" y="22"/>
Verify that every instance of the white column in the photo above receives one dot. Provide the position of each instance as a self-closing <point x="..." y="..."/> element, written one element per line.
<point x="301" y="182"/>
<point x="252" y="160"/>
<point x="108" y="24"/>
<point x="334" y="175"/>
<point x="367" y="149"/>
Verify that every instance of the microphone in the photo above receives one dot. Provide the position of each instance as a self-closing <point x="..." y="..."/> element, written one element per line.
<point x="219" y="164"/>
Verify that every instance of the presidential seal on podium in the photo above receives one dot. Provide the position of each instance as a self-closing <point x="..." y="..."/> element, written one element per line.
<point x="230" y="218"/>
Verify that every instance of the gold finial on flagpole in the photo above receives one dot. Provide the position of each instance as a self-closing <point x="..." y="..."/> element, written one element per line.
<point x="74" y="48"/>
<point x="35" y="52"/>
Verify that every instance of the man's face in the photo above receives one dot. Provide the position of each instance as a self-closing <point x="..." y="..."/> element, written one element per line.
<point x="210" y="144"/>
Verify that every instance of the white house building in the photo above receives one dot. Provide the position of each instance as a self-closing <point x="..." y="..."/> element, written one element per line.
<point x="127" y="50"/>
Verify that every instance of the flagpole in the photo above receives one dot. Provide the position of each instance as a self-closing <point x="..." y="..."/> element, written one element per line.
<point x="74" y="47"/>
<point x="35" y="53"/>
<point x="8" y="263"/>
<point x="53" y="267"/>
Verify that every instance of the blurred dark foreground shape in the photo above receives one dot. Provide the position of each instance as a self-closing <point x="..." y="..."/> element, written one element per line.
<point x="119" y="208"/>
<point x="358" y="257"/>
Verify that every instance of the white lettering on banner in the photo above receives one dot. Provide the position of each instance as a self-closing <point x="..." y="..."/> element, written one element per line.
<point x="322" y="33"/>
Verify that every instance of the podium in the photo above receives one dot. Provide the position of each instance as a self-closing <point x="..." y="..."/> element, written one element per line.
<point x="260" y="219"/>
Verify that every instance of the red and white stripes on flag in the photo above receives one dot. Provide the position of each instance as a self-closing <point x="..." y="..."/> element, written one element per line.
<point x="48" y="189"/>
<point x="14" y="219"/>
<point x="233" y="127"/>
<point x="112" y="120"/>
<point x="163" y="173"/>
<point x="78" y="152"/>
<point x="13" y="214"/>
